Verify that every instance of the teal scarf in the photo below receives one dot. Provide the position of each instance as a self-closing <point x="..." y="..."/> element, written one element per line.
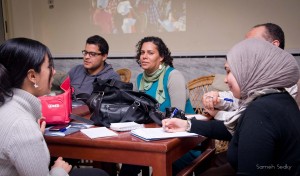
<point x="148" y="79"/>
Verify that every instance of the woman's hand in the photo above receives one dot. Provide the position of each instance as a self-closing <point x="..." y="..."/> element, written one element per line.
<point x="210" y="100"/>
<point x="61" y="163"/>
<point x="42" y="124"/>
<point x="174" y="125"/>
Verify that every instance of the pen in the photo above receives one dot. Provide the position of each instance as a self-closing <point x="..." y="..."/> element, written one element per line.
<point x="225" y="99"/>
<point x="65" y="129"/>
<point x="174" y="113"/>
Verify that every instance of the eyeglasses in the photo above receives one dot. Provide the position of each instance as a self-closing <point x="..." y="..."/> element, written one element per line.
<point x="91" y="54"/>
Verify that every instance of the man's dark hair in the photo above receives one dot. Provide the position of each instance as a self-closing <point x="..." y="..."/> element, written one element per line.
<point x="100" y="42"/>
<point x="274" y="32"/>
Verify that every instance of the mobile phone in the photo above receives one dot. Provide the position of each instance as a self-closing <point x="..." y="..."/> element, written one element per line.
<point x="58" y="127"/>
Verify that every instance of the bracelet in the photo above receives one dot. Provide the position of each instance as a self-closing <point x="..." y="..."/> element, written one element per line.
<point x="189" y="125"/>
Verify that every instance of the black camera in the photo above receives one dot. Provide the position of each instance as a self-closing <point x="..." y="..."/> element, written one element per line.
<point x="179" y="113"/>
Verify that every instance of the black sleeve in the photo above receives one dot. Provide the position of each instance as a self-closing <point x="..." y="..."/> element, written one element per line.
<point x="213" y="129"/>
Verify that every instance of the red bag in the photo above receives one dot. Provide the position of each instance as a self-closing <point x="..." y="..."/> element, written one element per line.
<point x="57" y="109"/>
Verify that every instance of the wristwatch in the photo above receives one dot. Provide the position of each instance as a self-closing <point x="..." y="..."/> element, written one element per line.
<point x="189" y="125"/>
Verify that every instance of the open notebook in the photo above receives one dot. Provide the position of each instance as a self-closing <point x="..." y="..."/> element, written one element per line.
<point x="150" y="134"/>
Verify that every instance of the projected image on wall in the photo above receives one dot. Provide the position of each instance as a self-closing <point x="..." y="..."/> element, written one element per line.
<point x="139" y="16"/>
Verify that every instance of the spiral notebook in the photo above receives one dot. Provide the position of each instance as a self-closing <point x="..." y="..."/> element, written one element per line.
<point x="125" y="126"/>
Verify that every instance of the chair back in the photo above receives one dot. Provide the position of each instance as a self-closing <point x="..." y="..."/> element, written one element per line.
<point x="125" y="74"/>
<point x="197" y="87"/>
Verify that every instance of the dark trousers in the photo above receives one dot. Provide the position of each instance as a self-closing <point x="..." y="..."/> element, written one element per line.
<point x="177" y="166"/>
<point x="87" y="171"/>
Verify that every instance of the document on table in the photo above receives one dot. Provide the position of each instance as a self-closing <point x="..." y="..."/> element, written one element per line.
<point x="150" y="134"/>
<point x="125" y="126"/>
<point x="72" y="128"/>
<point x="197" y="116"/>
<point x="98" y="132"/>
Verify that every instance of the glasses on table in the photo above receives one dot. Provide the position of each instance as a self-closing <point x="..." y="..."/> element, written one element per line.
<point x="91" y="54"/>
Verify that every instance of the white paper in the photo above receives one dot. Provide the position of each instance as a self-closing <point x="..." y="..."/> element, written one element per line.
<point x="125" y="126"/>
<point x="149" y="134"/>
<point x="197" y="116"/>
<point x="98" y="132"/>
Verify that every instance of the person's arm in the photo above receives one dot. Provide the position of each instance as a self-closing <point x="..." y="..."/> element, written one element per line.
<point x="224" y="115"/>
<point x="177" y="89"/>
<point x="256" y="142"/>
<point x="28" y="151"/>
<point x="225" y="105"/>
<point x="213" y="129"/>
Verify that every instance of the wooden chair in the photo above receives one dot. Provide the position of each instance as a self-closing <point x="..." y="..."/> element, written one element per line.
<point x="197" y="88"/>
<point x="125" y="74"/>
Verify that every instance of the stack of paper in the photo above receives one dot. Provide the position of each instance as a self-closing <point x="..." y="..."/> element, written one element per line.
<point x="125" y="126"/>
<point x="98" y="132"/>
<point x="149" y="134"/>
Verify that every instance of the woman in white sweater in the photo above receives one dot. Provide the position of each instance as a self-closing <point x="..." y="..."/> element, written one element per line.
<point x="26" y="71"/>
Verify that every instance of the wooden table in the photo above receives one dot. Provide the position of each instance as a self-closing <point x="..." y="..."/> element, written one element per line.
<point x="124" y="148"/>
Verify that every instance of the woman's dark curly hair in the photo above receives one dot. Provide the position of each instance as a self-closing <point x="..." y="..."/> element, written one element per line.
<point x="163" y="50"/>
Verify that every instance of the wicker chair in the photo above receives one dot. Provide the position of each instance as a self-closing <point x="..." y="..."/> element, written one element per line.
<point x="125" y="74"/>
<point x="197" y="88"/>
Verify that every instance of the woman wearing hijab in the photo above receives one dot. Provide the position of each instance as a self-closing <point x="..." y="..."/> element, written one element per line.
<point x="266" y="135"/>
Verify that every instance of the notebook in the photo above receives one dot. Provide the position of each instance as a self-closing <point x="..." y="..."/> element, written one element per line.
<point x="98" y="132"/>
<point x="150" y="134"/>
<point x="125" y="126"/>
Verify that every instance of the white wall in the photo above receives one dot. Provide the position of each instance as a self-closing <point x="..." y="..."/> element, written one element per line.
<point x="213" y="26"/>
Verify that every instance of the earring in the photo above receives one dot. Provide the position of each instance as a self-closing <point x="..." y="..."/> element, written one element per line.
<point x="35" y="85"/>
<point x="160" y="66"/>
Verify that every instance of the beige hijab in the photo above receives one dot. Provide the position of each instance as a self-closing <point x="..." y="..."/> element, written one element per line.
<point x="260" y="68"/>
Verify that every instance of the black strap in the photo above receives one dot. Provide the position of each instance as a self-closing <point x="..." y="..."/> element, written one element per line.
<point x="156" y="116"/>
<point x="131" y="110"/>
<point x="82" y="96"/>
<point x="81" y="119"/>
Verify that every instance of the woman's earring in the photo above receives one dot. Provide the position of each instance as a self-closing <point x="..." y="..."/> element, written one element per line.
<point x="35" y="85"/>
<point x="160" y="66"/>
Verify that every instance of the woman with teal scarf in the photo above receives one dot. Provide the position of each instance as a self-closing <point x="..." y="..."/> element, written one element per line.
<point x="166" y="84"/>
<point x="159" y="79"/>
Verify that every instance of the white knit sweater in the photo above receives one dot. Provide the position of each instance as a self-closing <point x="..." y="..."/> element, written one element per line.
<point x="23" y="150"/>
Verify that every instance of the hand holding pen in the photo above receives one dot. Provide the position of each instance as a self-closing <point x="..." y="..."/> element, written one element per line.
<point x="212" y="99"/>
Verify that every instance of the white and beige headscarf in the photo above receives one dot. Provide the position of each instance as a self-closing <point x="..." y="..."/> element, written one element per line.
<point x="260" y="68"/>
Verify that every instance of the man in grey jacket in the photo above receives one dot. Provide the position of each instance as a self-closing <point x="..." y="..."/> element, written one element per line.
<point x="94" y="66"/>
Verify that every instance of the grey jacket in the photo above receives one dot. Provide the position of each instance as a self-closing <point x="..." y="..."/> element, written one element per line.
<point x="82" y="81"/>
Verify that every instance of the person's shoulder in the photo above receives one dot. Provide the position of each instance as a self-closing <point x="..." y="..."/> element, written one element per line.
<point x="175" y="74"/>
<point x="175" y="71"/>
<point x="276" y="105"/>
<point x="75" y="69"/>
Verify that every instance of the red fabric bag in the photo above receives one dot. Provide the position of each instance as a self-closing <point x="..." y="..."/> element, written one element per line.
<point x="57" y="109"/>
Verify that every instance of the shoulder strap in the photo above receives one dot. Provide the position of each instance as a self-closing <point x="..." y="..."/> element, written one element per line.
<point x="81" y="119"/>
